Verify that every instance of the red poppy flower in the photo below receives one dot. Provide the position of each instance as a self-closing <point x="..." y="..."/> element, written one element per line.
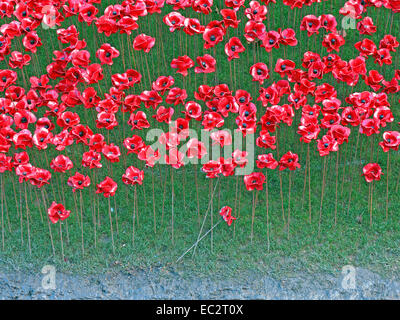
<point x="106" y="120"/>
<point x="254" y="30"/>
<point x="266" y="161"/>
<point x="333" y="41"/>
<point x="96" y="142"/>
<point x="366" y="47"/>
<point x="284" y="67"/>
<point x="287" y="37"/>
<point x="23" y="118"/>
<point x="93" y="74"/>
<point x="31" y="41"/>
<point x="182" y="63"/>
<point x="111" y="152"/>
<point x="383" y="115"/>
<point x="328" y="22"/>
<point x="87" y="13"/>
<point x="91" y="159"/>
<point x="289" y="161"/>
<point x="326" y="145"/>
<point x="57" y="212"/>
<point x="174" y="158"/>
<point x="134" y="144"/>
<point x="310" y="23"/>
<point x="254" y="180"/>
<point x="150" y="99"/>
<point x="212" y="120"/>
<point x="230" y="18"/>
<point x="195" y="149"/>
<point x="169" y="139"/>
<point x="138" y="121"/>
<point x="372" y="171"/>
<point x="270" y="40"/>
<point x="20" y="158"/>
<point x="174" y="20"/>
<point x="391" y="141"/>
<point x="61" y="163"/>
<point x="5" y="163"/>
<point x="193" y="26"/>
<point x="233" y="47"/>
<point x="143" y="42"/>
<point x="212" y="169"/>
<point x="226" y="214"/>
<point x="213" y="34"/>
<point x="256" y="11"/>
<point x="340" y="133"/>
<point x="382" y="56"/>
<point x="235" y="4"/>
<point x="106" y="53"/>
<point x="23" y="139"/>
<point x="366" y="26"/>
<point x="192" y="111"/>
<point x="163" y="83"/>
<point x="240" y="158"/>
<point x="259" y="72"/>
<point x="222" y="137"/>
<point x="268" y="96"/>
<point x="40" y="177"/>
<point x="107" y="187"/>
<point x="176" y="96"/>
<point x="164" y="114"/>
<point x="106" y="25"/>
<point x="206" y="64"/>
<point x="78" y="181"/>
<point x="133" y="176"/>
<point x="19" y="60"/>
<point x="265" y="140"/>
<point x="369" y="127"/>
<point x="388" y="42"/>
<point x="149" y="155"/>
<point x="25" y="172"/>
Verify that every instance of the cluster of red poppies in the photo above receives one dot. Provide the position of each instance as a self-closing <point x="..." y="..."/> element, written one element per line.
<point x="370" y="111"/>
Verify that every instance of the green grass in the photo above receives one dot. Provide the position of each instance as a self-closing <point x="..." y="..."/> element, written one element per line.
<point x="351" y="241"/>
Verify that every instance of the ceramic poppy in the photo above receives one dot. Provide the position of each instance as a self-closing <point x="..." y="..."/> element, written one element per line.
<point x="254" y="180"/>
<point x="107" y="187"/>
<point x="78" y="181"/>
<point x="133" y="176"/>
<point x="57" y="212"/>
<point x="372" y="172"/>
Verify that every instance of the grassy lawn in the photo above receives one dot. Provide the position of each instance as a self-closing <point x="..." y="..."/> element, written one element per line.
<point x="319" y="245"/>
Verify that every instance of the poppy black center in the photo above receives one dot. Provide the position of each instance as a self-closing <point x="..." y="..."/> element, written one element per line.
<point x="259" y="71"/>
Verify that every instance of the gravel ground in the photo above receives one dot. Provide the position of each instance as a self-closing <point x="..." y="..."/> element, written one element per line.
<point x="162" y="284"/>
